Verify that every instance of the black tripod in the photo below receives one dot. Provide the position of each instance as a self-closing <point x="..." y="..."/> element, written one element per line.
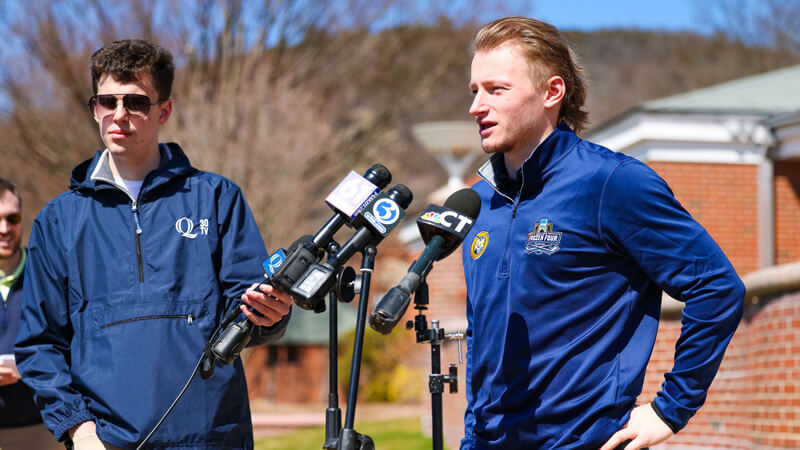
<point x="347" y="286"/>
<point x="435" y="336"/>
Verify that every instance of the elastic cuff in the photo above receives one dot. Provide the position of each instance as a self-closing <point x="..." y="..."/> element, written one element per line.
<point x="272" y="333"/>
<point x="661" y="416"/>
<point x="279" y="325"/>
<point x="61" y="430"/>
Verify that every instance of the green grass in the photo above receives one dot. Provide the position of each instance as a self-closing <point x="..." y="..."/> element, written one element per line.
<point x="399" y="434"/>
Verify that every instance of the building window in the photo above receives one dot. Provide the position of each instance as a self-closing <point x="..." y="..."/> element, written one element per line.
<point x="293" y="354"/>
<point x="272" y="355"/>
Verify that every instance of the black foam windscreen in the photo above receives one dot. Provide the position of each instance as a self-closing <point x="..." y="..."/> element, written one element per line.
<point x="466" y="202"/>
<point x="378" y="175"/>
<point x="402" y="195"/>
<point x="302" y="240"/>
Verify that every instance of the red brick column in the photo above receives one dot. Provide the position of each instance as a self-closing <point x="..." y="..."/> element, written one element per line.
<point x="787" y="212"/>
<point x="754" y="401"/>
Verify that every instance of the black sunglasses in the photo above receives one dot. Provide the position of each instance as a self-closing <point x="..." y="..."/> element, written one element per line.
<point x="134" y="104"/>
<point x="13" y="219"/>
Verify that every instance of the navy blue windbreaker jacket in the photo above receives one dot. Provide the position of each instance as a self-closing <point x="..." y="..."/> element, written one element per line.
<point x="121" y="296"/>
<point x="565" y="268"/>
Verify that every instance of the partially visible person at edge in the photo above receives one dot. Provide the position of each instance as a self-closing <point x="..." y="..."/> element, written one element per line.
<point x="131" y="271"/>
<point x="566" y="264"/>
<point x="21" y="425"/>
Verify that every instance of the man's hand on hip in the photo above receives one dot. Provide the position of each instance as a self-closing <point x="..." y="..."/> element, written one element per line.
<point x="644" y="429"/>
<point x="8" y="376"/>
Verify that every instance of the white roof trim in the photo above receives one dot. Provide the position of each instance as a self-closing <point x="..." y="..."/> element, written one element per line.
<point x="788" y="141"/>
<point x="697" y="138"/>
<point x="696" y="153"/>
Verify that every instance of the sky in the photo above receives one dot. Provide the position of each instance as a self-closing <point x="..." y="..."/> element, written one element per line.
<point x="567" y="15"/>
<point x="590" y="15"/>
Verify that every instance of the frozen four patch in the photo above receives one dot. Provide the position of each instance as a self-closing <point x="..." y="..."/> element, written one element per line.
<point x="543" y="239"/>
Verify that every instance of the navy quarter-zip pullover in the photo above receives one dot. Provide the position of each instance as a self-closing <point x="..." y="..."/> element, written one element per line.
<point x="565" y="268"/>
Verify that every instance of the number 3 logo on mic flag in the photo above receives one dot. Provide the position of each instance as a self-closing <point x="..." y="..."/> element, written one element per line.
<point x="386" y="211"/>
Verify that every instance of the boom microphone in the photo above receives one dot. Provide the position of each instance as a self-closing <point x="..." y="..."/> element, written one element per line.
<point x="347" y="199"/>
<point x="378" y="218"/>
<point x="442" y="229"/>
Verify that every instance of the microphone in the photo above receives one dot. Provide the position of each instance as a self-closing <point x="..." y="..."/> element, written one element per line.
<point x="349" y="197"/>
<point x="377" y="219"/>
<point x="442" y="229"/>
<point x="236" y="335"/>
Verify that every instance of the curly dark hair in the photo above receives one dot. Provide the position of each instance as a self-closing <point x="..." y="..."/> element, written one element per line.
<point x="6" y="185"/>
<point x="128" y="59"/>
<point x="548" y="54"/>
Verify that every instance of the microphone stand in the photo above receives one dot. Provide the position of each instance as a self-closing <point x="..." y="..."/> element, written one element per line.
<point x="347" y="438"/>
<point x="435" y="336"/>
<point x="333" y="415"/>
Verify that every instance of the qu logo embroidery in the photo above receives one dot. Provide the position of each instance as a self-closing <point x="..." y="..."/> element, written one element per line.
<point x="184" y="226"/>
<point x="479" y="244"/>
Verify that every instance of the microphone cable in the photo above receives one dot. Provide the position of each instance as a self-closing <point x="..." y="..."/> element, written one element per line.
<point x="229" y="318"/>
<point x="175" y="402"/>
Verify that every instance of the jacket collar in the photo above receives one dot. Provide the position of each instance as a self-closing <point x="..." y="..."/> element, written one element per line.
<point x="529" y="176"/>
<point x="9" y="281"/>
<point x="95" y="173"/>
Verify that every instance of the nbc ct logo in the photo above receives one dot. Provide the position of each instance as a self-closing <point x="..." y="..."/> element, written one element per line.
<point x="184" y="226"/>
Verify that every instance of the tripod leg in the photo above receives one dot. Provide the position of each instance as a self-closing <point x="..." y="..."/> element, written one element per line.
<point x="352" y="440"/>
<point x="366" y="443"/>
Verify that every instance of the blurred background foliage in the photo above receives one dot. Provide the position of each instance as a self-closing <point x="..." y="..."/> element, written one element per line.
<point x="388" y="374"/>
<point x="286" y="96"/>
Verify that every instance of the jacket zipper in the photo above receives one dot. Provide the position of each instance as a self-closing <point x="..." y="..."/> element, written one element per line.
<point x="515" y="201"/>
<point x="138" y="241"/>
<point x="507" y="253"/>
<point x="189" y="319"/>
<point x="504" y="269"/>
<point x="135" y="209"/>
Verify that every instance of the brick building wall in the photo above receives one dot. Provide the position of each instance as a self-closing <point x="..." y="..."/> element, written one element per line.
<point x="287" y="373"/>
<point x="722" y="197"/>
<point x="787" y="211"/>
<point x="448" y="292"/>
<point x="754" y="402"/>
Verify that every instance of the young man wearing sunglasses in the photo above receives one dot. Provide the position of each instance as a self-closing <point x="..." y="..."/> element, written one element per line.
<point x="131" y="272"/>
<point x="20" y="422"/>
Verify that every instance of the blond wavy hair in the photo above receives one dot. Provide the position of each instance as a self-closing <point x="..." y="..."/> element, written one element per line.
<point x="548" y="54"/>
